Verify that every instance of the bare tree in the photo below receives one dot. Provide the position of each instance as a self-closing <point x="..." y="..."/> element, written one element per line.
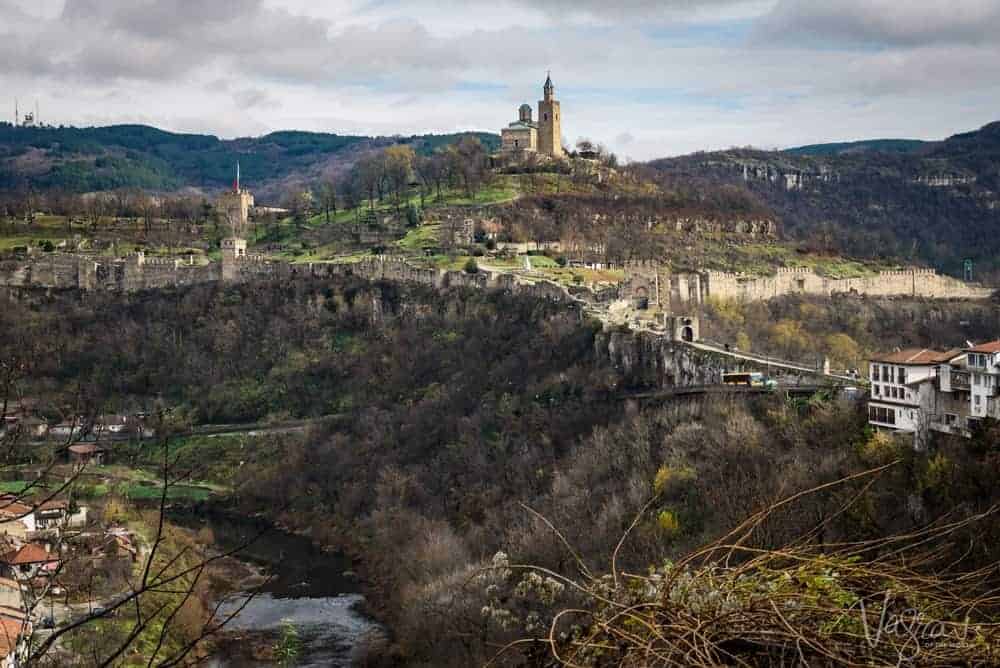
<point x="154" y="599"/>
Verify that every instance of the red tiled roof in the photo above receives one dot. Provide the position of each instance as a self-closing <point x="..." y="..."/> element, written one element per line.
<point x="29" y="554"/>
<point x="14" y="509"/>
<point x="10" y="632"/>
<point x="53" y="504"/>
<point x="918" y="356"/>
<point x="991" y="347"/>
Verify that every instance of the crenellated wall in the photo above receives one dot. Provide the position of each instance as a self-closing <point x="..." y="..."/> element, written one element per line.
<point x="654" y="282"/>
<point x="909" y="282"/>
<point x="91" y="272"/>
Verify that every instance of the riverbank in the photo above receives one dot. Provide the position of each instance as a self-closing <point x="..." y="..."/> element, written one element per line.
<point x="295" y="596"/>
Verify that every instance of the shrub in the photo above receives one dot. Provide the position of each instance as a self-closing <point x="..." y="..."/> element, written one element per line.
<point x="414" y="216"/>
<point x="669" y="476"/>
<point x="667" y="521"/>
<point x="471" y="267"/>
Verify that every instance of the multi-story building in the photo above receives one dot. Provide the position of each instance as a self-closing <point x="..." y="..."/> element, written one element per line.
<point x="919" y="390"/>
<point x="896" y="381"/>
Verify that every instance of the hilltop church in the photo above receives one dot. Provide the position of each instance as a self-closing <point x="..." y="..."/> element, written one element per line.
<point x="543" y="137"/>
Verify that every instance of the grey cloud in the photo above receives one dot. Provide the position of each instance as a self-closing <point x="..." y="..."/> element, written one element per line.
<point x="882" y="22"/>
<point x="631" y="8"/>
<point x="250" y="98"/>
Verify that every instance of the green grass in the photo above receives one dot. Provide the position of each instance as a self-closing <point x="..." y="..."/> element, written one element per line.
<point x="18" y="486"/>
<point x="28" y="240"/>
<point x="175" y="493"/>
<point x="418" y="238"/>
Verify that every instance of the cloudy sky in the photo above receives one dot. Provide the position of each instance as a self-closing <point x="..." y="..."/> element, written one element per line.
<point x="647" y="77"/>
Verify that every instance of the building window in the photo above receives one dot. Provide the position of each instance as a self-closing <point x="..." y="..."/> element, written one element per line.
<point x="874" y="372"/>
<point x="886" y="376"/>
<point x="875" y="389"/>
<point x="882" y="414"/>
<point x="902" y="376"/>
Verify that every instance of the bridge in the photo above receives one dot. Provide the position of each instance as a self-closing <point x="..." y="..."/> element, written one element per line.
<point x="666" y="394"/>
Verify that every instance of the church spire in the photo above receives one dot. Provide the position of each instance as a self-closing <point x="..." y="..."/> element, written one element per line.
<point x="549" y="89"/>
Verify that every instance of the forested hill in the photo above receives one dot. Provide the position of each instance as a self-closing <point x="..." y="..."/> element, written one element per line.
<point x="935" y="202"/>
<point x="104" y="158"/>
<point x="878" y="145"/>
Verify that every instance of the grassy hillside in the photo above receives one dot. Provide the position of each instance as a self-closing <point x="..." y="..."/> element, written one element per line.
<point x="104" y="158"/>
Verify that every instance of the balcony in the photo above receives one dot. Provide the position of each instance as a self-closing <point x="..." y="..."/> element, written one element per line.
<point x="942" y="424"/>
<point x="961" y="380"/>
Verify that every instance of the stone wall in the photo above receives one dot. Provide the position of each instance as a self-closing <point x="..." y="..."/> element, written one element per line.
<point x="91" y="272"/>
<point x="655" y="283"/>
<point x="395" y="268"/>
<point x="910" y="283"/>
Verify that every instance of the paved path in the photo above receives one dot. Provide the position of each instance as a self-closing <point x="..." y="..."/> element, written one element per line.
<point x="761" y="359"/>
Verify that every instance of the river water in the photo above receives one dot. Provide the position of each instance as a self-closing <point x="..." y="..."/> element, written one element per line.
<point x="310" y="589"/>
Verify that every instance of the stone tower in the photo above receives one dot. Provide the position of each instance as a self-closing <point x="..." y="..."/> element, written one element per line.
<point x="549" y="123"/>
<point x="234" y="208"/>
<point x="234" y="251"/>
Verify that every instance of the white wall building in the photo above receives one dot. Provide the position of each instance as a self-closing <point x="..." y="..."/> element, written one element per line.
<point x="919" y="390"/>
<point x="896" y="381"/>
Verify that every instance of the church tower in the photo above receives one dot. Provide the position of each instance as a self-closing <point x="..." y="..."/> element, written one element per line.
<point x="549" y="123"/>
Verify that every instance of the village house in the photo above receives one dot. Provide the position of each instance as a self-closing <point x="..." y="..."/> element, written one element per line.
<point x="17" y="519"/>
<point x="12" y="597"/>
<point x="84" y="454"/>
<point x="918" y="391"/>
<point x="59" y="514"/>
<point x="29" y="562"/>
<point x="13" y="634"/>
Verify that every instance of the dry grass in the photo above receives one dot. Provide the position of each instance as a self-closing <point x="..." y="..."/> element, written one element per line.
<point x="888" y="602"/>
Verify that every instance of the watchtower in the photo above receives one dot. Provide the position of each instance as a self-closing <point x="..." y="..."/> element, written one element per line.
<point x="234" y="251"/>
<point x="549" y="123"/>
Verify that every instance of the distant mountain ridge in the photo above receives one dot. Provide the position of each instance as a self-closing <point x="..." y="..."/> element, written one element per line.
<point x="877" y="145"/>
<point x="935" y="202"/>
<point x="104" y="158"/>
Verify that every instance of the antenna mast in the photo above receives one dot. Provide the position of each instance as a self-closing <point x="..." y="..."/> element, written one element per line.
<point x="17" y="114"/>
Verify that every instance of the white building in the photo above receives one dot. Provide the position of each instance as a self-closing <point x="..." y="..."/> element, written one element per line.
<point x="896" y="381"/>
<point x="919" y="390"/>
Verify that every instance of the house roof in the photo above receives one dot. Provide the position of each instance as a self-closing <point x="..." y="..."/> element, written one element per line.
<point x="53" y="504"/>
<point x="918" y="356"/>
<point x="991" y="347"/>
<point x="14" y="509"/>
<point x="10" y="633"/>
<point x="29" y="554"/>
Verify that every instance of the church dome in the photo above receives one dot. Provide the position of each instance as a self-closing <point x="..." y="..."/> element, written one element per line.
<point x="524" y="113"/>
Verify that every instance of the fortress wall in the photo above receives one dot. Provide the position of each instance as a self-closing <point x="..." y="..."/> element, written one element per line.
<point x="153" y="273"/>
<point x="910" y="282"/>
<point x="55" y="270"/>
<point x="14" y="273"/>
<point x="257" y="267"/>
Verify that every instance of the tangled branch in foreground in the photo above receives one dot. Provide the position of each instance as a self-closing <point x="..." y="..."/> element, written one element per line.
<point x="889" y="602"/>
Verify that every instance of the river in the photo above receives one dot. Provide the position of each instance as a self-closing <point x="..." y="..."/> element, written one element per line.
<point x="310" y="589"/>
